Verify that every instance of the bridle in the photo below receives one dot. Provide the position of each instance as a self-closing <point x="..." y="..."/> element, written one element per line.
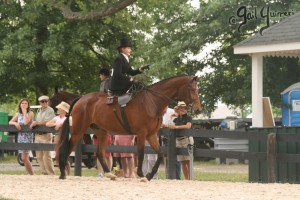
<point x="54" y="100"/>
<point x="190" y="103"/>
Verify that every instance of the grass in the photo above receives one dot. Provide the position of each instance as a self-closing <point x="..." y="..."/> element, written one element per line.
<point x="198" y="175"/>
<point x="226" y="177"/>
<point x="3" y="198"/>
<point x="9" y="159"/>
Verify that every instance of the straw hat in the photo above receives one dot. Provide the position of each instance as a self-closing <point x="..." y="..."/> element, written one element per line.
<point x="64" y="106"/>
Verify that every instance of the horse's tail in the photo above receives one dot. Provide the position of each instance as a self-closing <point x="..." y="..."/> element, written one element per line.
<point x="62" y="149"/>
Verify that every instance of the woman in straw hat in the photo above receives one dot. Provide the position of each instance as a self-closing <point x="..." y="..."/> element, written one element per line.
<point x="183" y="121"/>
<point x="57" y="122"/>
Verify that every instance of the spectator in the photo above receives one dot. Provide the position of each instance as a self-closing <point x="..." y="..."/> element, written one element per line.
<point x="168" y="116"/>
<point x="116" y="162"/>
<point x="104" y="75"/>
<point x="57" y="122"/>
<point x="44" y="114"/>
<point x="23" y="117"/>
<point x="107" y="155"/>
<point x="183" y="121"/>
<point x="127" y="159"/>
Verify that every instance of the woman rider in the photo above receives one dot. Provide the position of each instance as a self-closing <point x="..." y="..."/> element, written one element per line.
<point x="121" y="80"/>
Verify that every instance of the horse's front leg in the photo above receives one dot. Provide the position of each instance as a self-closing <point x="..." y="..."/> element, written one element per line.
<point x="153" y="141"/>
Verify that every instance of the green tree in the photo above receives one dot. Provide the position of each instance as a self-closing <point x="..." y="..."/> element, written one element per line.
<point x="40" y="49"/>
<point x="230" y="80"/>
<point x="86" y="10"/>
<point x="181" y="32"/>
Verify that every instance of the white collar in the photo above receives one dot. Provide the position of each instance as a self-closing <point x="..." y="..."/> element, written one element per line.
<point x="125" y="57"/>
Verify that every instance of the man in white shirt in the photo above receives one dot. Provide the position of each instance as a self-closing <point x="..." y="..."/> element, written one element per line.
<point x="167" y="114"/>
<point x="168" y="118"/>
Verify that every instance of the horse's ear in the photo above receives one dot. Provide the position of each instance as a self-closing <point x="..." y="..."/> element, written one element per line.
<point x="56" y="90"/>
<point x="195" y="78"/>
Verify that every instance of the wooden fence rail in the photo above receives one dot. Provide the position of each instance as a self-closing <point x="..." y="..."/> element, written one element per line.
<point x="171" y="151"/>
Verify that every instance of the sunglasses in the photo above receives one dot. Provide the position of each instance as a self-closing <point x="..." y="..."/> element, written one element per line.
<point x="44" y="101"/>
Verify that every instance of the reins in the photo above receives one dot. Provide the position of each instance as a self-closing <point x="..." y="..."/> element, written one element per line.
<point x="140" y="86"/>
<point x="190" y="97"/>
<point x="168" y="99"/>
<point x="160" y="95"/>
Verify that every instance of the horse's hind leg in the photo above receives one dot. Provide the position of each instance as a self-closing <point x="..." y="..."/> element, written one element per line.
<point x="153" y="141"/>
<point x="77" y="134"/>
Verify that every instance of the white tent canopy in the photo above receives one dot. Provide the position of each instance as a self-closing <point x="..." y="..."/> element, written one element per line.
<point x="281" y="40"/>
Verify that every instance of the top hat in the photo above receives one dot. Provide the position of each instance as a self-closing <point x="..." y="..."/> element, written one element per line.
<point x="125" y="43"/>
<point x="64" y="106"/>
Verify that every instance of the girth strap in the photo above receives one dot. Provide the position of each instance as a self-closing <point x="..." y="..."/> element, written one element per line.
<point x="125" y="125"/>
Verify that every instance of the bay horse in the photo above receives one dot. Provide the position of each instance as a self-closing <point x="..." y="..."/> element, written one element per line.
<point x="60" y="96"/>
<point x="68" y="97"/>
<point x="144" y="115"/>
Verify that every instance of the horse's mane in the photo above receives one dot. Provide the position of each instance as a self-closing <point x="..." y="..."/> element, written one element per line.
<point x="145" y="96"/>
<point x="167" y="79"/>
<point x="74" y="95"/>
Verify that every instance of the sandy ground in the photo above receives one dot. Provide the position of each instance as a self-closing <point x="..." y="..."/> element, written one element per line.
<point x="50" y="187"/>
<point x="38" y="187"/>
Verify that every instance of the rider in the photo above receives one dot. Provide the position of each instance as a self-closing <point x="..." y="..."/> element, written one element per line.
<point x="121" y="80"/>
<point x="104" y="76"/>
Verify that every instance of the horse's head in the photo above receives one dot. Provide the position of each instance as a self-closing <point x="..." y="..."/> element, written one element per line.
<point x="62" y="96"/>
<point x="189" y="94"/>
<point x="54" y="101"/>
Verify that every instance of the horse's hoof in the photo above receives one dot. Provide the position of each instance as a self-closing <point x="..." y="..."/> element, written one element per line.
<point x="62" y="177"/>
<point x="144" y="180"/>
<point x="148" y="177"/>
<point x="110" y="175"/>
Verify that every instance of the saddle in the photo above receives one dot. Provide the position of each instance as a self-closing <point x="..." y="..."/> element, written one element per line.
<point x="121" y="100"/>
